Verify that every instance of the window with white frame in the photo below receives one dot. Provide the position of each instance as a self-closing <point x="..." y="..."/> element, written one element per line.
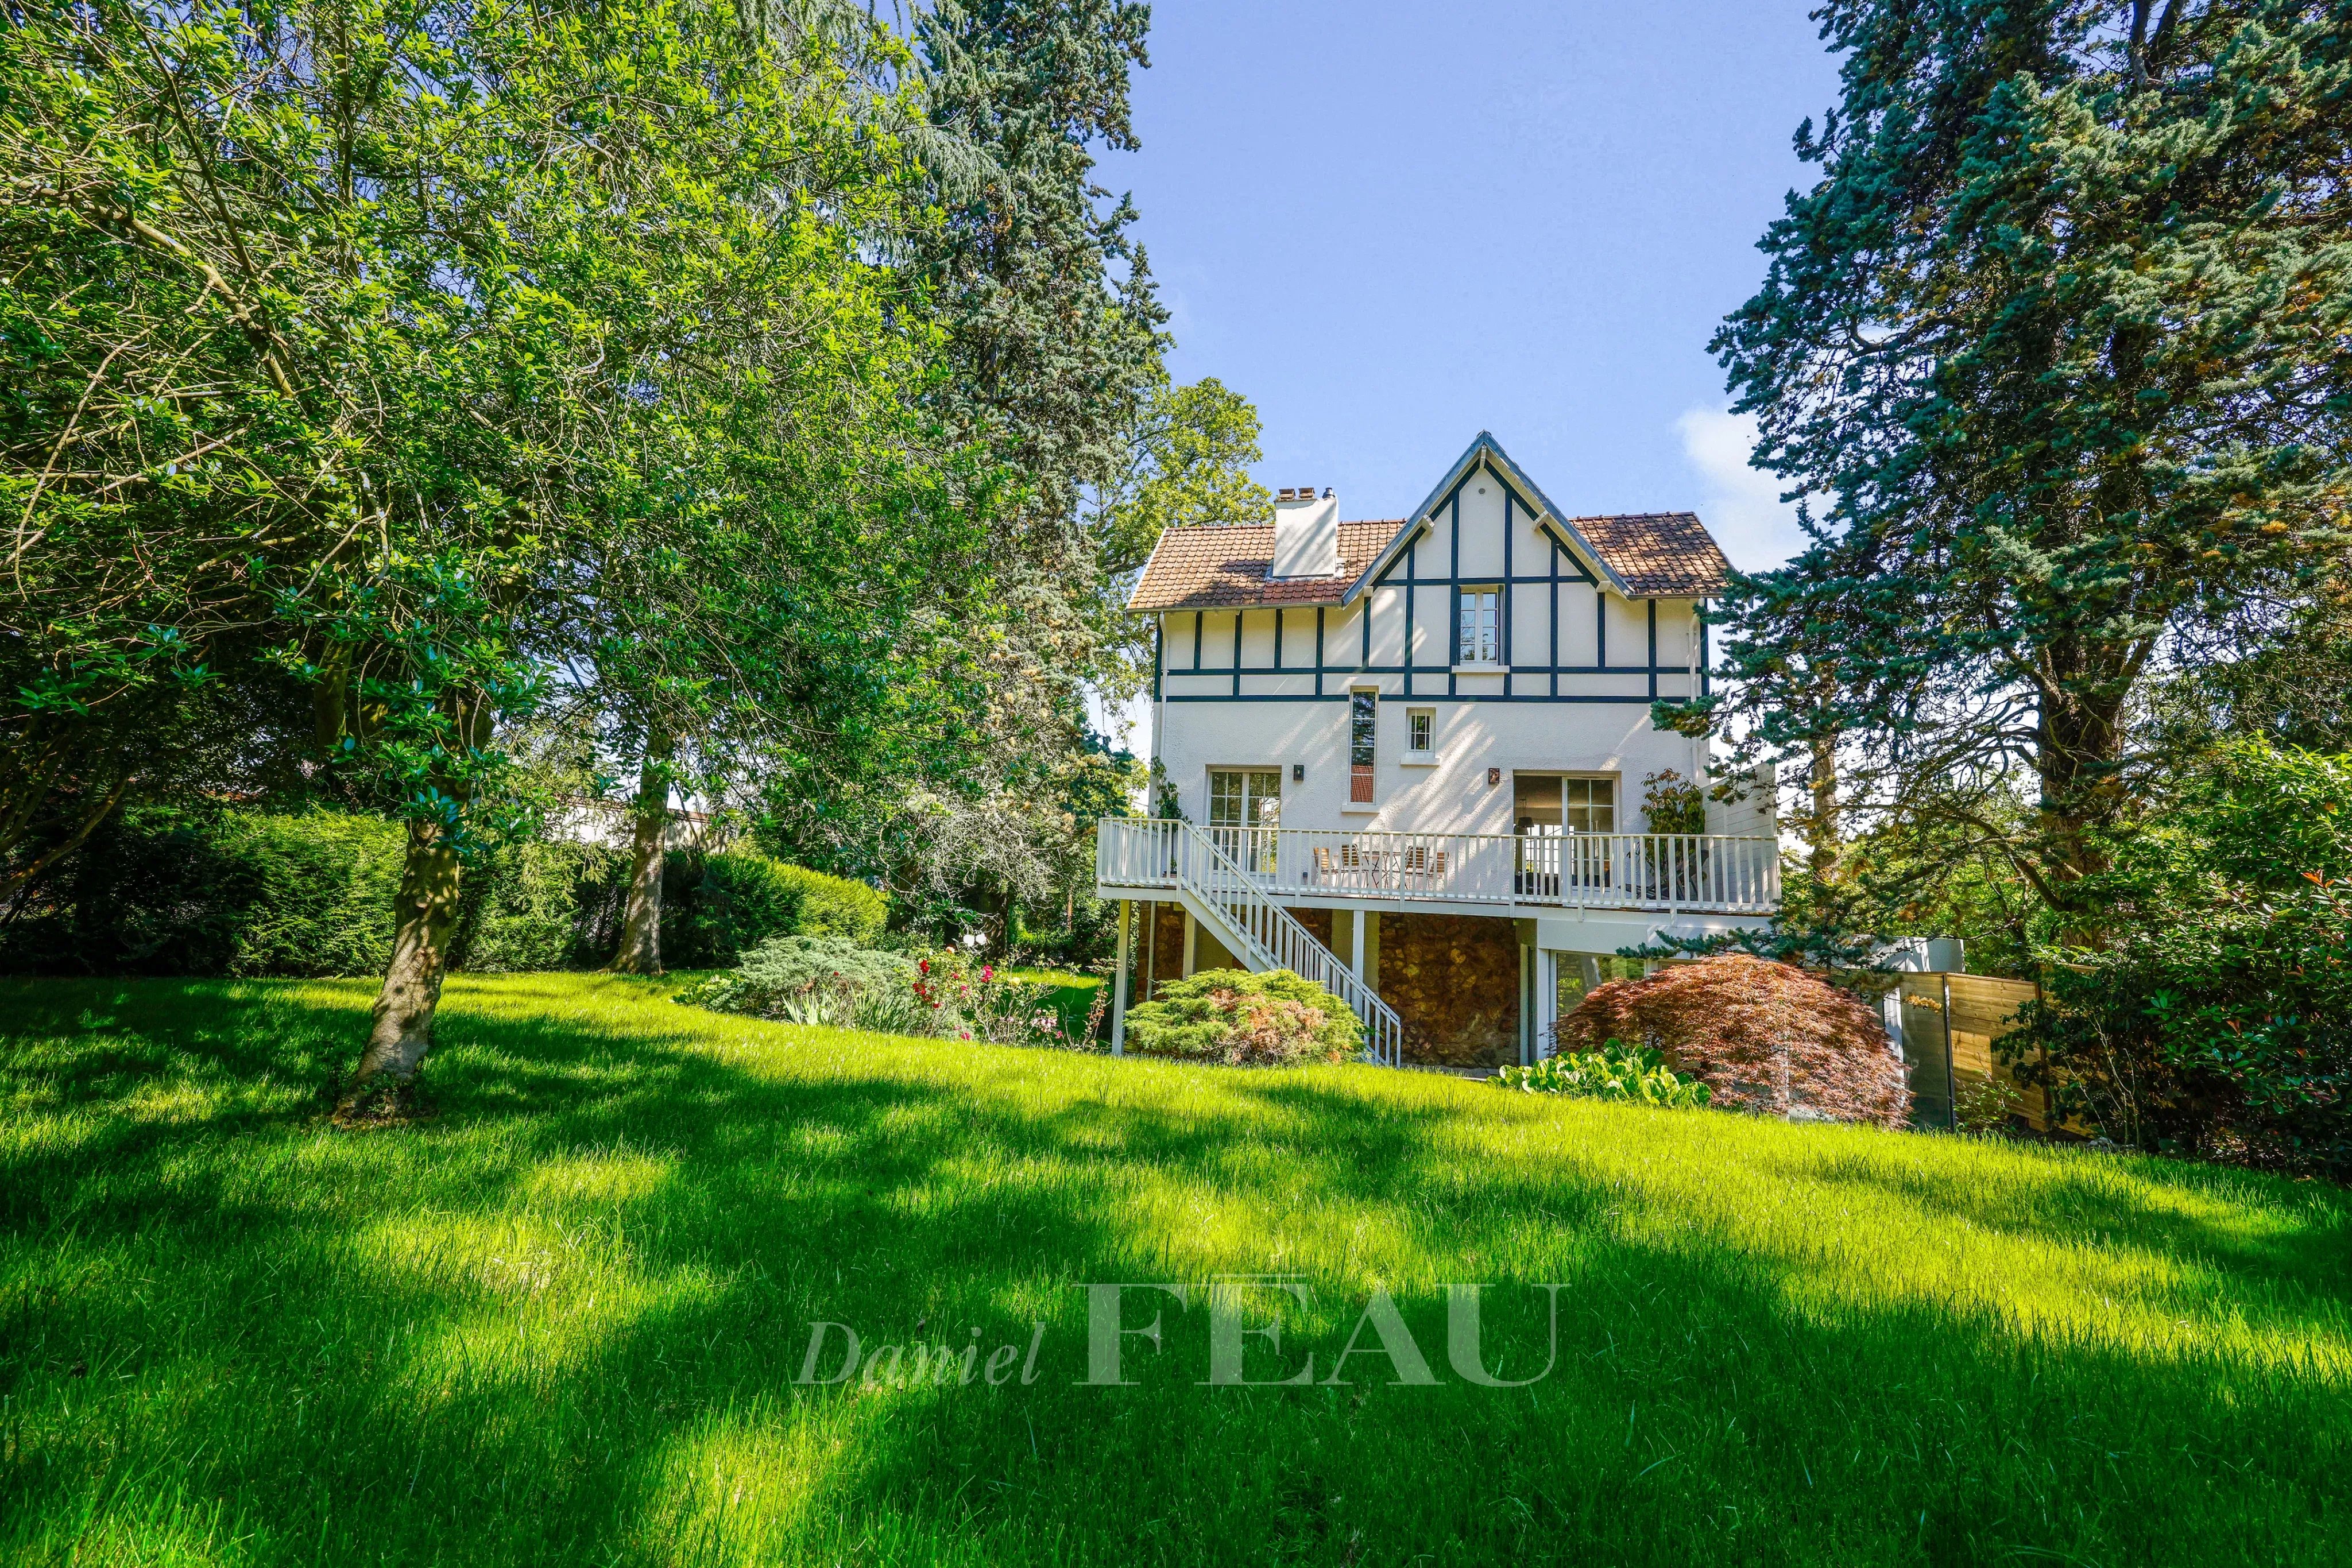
<point x="1421" y="733"/>
<point x="1481" y="640"/>
<point x="1363" y="732"/>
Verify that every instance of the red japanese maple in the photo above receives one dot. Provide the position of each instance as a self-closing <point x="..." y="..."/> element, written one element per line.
<point x="1765" y="1036"/>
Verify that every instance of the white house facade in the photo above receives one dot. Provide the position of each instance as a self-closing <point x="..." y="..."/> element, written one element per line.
<point x="1413" y="753"/>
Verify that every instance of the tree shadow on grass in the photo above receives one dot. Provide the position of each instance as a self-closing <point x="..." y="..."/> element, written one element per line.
<point x="2257" y="1228"/>
<point x="563" y="1322"/>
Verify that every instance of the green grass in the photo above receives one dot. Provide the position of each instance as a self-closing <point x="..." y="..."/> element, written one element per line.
<point x="560" y="1322"/>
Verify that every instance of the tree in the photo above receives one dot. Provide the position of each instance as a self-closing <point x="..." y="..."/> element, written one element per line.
<point x="441" y="359"/>
<point x="1052" y="324"/>
<point x="2056" y="353"/>
<point x="1052" y="327"/>
<point x="1187" y="465"/>
<point x="1051" y="352"/>
<point x="187" y="329"/>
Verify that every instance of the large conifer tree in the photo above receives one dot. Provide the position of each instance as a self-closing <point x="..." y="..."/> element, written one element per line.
<point x="2057" y="351"/>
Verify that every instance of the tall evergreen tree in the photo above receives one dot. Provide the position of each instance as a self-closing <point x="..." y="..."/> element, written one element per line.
<point x="1052" y="328"/>
<point x="2059" y="352"/>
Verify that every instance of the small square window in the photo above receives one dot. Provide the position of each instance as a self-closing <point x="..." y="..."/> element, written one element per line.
<point x="1420" y="731"/>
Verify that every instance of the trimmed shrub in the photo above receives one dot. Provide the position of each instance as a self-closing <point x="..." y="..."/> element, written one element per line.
<point x="521" y="908"/>
<point x="717" y="907"/>
<point x="1762" y="1036"/>
<point x="835" y="906"/>
<point x="204" y="891"/>
<point x="725" y="904"/>
<point x="1616" y="1071"/>
<point x="1235" y="1017"/>
<point x="831" y="981"/>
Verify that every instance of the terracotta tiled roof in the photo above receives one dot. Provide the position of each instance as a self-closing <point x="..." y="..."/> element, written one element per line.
<point x="1220" y="567"/>
<point x="1660" y="555"/>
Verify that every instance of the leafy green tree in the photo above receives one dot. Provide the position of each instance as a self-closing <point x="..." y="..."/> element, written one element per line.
<point x="187" y="335"/>
<point x="1188" y="464"/>
<point x="2055" y="351"/>
<point x="436" y="353"/>
<point x="1051" y="355"/>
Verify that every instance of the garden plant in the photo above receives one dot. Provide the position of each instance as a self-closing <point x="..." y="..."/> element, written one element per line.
<point x="1617" y="1071"/>
<point x="1264" y="1020"/>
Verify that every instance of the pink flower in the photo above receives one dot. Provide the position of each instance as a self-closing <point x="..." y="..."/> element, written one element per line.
<point x="987" y="973"/>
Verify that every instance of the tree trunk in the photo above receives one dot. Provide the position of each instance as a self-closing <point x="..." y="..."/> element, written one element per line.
<point x="426" y="910"/>
<point x="640" y="951"/>
<point x="412" y="985"/>
<point x="1819" y="824"/>
<point x="2076" y="754"/>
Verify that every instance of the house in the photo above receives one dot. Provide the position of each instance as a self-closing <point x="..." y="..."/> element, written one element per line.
<point x="1412" y="758"/>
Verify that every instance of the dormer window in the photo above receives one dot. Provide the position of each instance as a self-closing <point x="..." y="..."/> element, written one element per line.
<point x="1481" y="640"/>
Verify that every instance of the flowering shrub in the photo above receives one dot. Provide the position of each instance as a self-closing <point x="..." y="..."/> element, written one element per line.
<point x="1761" y="1036"/>
<point x="1616" y="1071"/>
<point x="1240" y="1019"/>
<point x="973" y="1001"/>
<point x="831" y="981"/>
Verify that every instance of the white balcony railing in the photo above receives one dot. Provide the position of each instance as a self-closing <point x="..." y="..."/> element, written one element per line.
<point x="1700" y="872"/>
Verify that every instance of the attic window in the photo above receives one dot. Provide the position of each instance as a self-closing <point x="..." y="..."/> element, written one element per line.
<point x="1481" y="639"/>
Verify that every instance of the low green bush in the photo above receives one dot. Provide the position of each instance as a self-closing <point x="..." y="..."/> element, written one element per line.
<point x="784" y="968"/>
<point x="1616" y="1071"/>
<point x="1243" y="1019"/>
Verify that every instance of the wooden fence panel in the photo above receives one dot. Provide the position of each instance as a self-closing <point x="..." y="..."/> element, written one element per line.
<point x="1981" y="1010"/>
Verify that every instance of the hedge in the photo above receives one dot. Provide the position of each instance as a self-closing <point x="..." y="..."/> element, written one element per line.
<point x="212" y="891"/>
<point x="182" y="891"/>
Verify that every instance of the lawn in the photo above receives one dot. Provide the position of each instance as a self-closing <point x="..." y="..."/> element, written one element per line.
<point x="562" y="1322"/>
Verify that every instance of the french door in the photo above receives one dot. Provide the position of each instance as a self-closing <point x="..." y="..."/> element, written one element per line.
<point x="1244" y="810"/>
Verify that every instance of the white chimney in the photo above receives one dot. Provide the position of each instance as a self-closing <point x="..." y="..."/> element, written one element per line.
<point x="1305" y="534"/>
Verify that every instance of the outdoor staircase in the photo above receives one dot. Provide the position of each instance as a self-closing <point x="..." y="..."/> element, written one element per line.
<point x="1221" y="895"/>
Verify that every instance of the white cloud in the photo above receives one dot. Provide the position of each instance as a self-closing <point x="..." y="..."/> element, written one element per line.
<point x="1742" y="509"/>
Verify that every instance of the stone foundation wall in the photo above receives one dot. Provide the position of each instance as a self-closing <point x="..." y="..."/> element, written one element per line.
<point x="1166" y="950"/>
<point x="1453" y="980"/>
<point x="1318" y="923"/>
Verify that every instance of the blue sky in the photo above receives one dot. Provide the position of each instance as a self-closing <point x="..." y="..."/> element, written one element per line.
<point x="1393" y="225"/>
